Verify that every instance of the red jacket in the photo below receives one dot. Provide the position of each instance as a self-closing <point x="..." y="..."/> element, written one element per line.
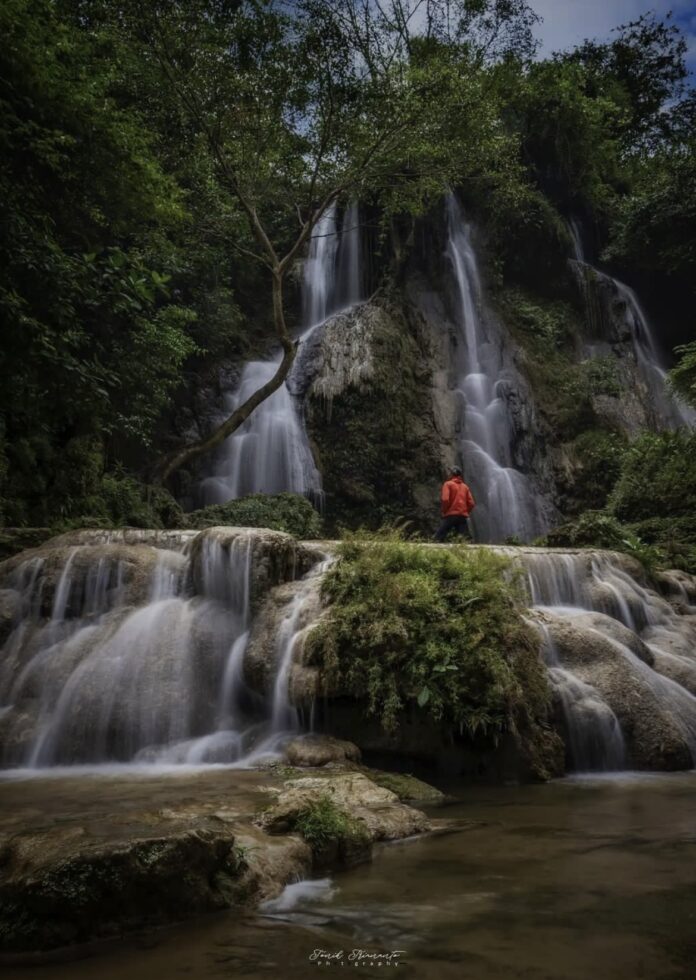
<point x="456" y="498"/>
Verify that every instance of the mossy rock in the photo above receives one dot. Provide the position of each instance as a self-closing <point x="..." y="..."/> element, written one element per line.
<point x="289" y="512"/>
<point x="373" y="430"/>
<point x="408" y="788"/>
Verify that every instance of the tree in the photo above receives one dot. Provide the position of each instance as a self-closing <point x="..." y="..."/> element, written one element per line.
<point x="305" y="104"/>
<point x="643" y="71"/>
<point x="93" y="340"/>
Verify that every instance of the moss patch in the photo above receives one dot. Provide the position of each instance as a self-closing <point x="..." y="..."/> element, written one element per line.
<point x="436" y="631"/>
<point x="323" y="823"/>
<point x="407" y="787"/>
<point x="289" y="512"/>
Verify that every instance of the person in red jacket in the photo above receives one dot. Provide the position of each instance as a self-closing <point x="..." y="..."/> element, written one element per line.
<point x="457" y="504"/>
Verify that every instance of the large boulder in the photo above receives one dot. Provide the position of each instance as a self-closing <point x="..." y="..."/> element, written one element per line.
<point x="221" y="556"/>
<point x="361" y="813"/>
<point x="66" y="580"/>
<point x="10" y="607"/>
<point x="320" y="750"/>
<point x="296" y="605"/>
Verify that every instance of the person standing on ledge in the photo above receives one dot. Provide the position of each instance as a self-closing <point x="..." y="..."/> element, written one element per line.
<point x="457" y="504"/>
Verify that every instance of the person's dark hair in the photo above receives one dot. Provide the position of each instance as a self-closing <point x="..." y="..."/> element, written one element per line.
<point x="455" y="471"/>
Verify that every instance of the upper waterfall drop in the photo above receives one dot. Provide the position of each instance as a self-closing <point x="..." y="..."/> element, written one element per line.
<point x="271" y="453"/>
<point x="669" y="411"/>
<point x="507" y="504"/>
<point x="332" y="275"/>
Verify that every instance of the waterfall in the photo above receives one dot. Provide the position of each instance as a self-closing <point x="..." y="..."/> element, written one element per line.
<point x="349" y="279"/>
<point x="507" y="504"/>
<point x="592" y="733"/>
<point x="671" y="411"/>
<point x="135" y="654"/>
<point x="601" y="292"/>
<point x="647" y="641"/>
<point x="271" y="453"/>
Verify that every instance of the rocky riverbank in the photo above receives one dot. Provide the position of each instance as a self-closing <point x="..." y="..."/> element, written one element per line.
<point x="89" y="857"/>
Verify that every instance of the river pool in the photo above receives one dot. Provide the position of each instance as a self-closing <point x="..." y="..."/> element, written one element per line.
<point x="580" y="878"/>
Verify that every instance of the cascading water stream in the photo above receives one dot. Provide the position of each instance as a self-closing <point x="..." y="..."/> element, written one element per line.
<point x="271" y="451"/>
<point x="669" y="412"/>
<point x="507" y="504"/>
<point x="134" y="654"/>
<point x="594" y="591"/>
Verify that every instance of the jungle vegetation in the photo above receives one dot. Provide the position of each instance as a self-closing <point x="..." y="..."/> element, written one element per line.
<point x="164" y="165"/>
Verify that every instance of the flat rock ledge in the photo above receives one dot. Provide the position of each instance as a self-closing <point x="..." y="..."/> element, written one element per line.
<point x="360" y="812"/>
<point x="75" y="880"/>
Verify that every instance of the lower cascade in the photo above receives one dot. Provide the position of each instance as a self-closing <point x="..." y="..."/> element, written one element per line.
<point x="186" y="648"/>
<point x="621" y="658"/>
<point x="129" y="647"/>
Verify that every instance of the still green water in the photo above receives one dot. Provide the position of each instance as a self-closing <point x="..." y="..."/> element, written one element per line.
<point x="577" y="879"/>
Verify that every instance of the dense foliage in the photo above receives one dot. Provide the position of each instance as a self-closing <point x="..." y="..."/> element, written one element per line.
<point x="154" y="153"/>
<point x="434" y="631"/>
<point x="650" y="510"/>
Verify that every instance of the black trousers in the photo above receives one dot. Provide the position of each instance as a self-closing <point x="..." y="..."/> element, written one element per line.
<point x="453" y="522"/>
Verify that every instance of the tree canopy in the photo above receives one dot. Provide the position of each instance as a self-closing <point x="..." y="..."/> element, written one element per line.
<point x="166" y="164"/>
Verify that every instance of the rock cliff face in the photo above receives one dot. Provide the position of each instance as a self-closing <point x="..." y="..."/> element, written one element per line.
<point x="379" y="435"/>
<point x="533" y="384"/>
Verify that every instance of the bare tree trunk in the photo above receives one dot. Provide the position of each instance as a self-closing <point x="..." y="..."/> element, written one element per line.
<point x="170" y="464"/>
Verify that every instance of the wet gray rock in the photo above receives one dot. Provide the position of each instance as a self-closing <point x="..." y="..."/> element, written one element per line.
<point x="320" y="750"/>
<point x="125" y="571"/>
<point x="653" y="737"/>
<point x="370" y="813"/>
<point x="275" y="556"/>
<point x="69" y="886"/>
<point x="10" y="606"/>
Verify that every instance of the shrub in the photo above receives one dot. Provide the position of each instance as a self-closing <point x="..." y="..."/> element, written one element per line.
<point x="674" y="536"/>
<point x="594" y="528"/>
<point x="289" y="512"/>
<point x="414" y="628"/>
<point x="120" y="500"/>
<point x="658" y="478"/>
<point x="599" y="454"/>
<point x="598" y="529"/>
<point x="682" y="377"/>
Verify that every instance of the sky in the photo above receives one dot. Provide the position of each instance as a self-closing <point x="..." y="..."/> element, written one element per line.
<point x="567" y="22"/>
